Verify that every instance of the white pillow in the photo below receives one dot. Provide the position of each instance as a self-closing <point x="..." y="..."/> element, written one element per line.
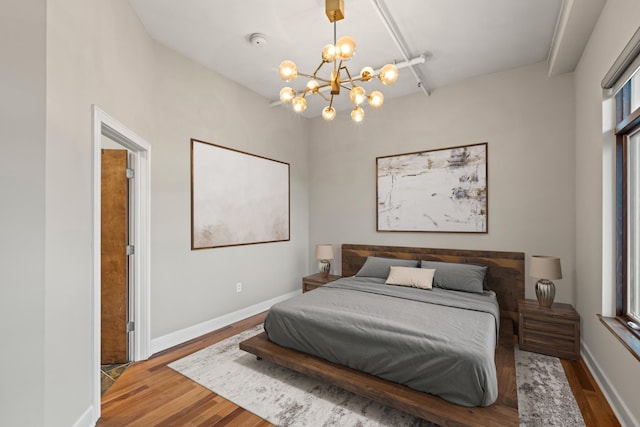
<point x="407" y="276"/>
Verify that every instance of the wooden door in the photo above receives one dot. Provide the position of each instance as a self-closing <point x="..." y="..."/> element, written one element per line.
<point x="114" y="239"/>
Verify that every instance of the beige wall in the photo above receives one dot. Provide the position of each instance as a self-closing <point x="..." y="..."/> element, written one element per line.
<point x="99" y="53"/>
<point x="617" y="367"/>
<point x="190" y="287"/>
<point x="22" y="215"/>
<point x="528" y="120"/>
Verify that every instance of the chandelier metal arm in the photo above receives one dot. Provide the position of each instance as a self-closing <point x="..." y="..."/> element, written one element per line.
<point x="318" y="69"/>
<point x="315" y="91"/>
<point x="325" y="97"/>
<point x="321" y="87"/>
<point x="310" y="76"/>
<point x="346" y="70"/>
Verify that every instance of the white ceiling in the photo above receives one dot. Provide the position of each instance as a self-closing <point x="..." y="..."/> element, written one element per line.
<point x="459" y="38"/>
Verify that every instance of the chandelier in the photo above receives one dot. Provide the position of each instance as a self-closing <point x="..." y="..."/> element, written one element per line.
<point x="340" y="78"/>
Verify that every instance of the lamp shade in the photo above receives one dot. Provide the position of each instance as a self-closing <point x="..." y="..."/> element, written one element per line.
<point x="324" y="252"/>
<point x="545" y="267"/>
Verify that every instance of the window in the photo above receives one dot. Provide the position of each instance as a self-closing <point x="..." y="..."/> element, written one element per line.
<point x="624" y="76"/>
<point x="633" y="233"/>
<point x="628" y="203"/>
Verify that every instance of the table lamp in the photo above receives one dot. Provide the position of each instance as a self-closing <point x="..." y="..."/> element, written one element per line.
<point x="324" y="253"/>
<point x="545" y="268"/>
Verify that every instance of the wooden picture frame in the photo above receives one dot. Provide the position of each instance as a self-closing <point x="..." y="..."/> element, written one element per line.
<point x="443" y="190"/>
<point x="237" y="198"/>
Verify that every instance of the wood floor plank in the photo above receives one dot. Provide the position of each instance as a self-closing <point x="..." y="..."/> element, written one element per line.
<point x="209" y="416"/>
<point x="593" y="405"/>
<point x="161" y="415"/>
<point x="184" y="414"/>
<point x="150" y="393"/>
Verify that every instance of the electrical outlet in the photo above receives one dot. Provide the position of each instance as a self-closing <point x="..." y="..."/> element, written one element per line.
<point x="239" y="287"/>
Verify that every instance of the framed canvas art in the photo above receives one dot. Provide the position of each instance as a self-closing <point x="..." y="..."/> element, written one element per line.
<point x="443" y="190"/>
<point x="237" y="198"/>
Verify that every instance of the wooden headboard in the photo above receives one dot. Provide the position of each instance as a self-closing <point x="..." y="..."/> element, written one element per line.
<point x="505" y="275"/>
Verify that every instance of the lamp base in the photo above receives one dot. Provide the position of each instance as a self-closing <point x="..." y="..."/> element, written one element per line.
<point x="545" y="292"/>
<point x="325" y="267"/>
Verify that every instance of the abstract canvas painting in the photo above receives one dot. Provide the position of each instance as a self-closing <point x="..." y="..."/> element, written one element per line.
<point x="237" y="198"/>
<point x="442" y="190"/>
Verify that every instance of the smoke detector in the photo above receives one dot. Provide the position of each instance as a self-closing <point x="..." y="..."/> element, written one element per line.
<point x="258" y="39"/>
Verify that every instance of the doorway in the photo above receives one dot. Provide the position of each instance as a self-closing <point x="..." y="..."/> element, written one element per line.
<point x="117" y="262"/>
<point x="137" y="268"/>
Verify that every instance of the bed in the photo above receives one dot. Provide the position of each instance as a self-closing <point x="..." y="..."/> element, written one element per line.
<point x="441" y="354"/>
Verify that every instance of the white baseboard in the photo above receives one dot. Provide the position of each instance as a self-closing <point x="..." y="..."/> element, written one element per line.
<point x="178" y="337"/>
<point x="621" y="410"/>
<point x="87" y="419"/>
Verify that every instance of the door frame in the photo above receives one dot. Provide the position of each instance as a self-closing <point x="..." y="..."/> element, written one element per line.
<point x="103" y="124"/>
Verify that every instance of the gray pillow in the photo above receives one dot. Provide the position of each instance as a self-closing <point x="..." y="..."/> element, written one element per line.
<point x="457" y="276"/>
<point x="379" y="267"/>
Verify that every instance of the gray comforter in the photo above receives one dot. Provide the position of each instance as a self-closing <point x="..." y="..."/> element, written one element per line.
<point x="437" y="341"/>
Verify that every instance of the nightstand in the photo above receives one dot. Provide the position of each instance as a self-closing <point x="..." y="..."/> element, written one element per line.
<point x="309" y="283"/>
<point x="554" y="330"/>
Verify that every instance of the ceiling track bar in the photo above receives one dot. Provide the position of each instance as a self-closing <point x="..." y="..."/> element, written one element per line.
<point x="395" y="35"/>
<point x="405" y="64"/>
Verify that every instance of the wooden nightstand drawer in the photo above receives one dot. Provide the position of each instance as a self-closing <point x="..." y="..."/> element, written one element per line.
<point x="550" y="343"/>
<point x="558" y="327"/>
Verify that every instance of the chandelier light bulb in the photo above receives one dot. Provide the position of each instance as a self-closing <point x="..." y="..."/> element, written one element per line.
<point x="286" y="95"/>
<point x="357" y="114"/>
<point x="328" y="113"/>
<point x="376" y="98"/>
<point x="389" y="74"/>
<point x="299" y="104"/>
<point x="329" y="53"/>
<point x="345" y="47"/>
<point x="288" y="70"/>
<point x="366" y="74"/>
<point x="357" y="95"/>
<point x="313" y="85"/>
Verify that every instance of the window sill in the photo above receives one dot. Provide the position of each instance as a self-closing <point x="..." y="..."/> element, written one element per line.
<point x="629" y="339"/>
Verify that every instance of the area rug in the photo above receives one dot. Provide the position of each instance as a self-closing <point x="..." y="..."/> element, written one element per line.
<point x="544" y="394"/>
<point x="289" y="399"/>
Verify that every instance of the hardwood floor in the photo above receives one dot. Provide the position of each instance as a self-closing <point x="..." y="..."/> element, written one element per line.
<point x="592" y="403"/>
<point x="151" y="394"/>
